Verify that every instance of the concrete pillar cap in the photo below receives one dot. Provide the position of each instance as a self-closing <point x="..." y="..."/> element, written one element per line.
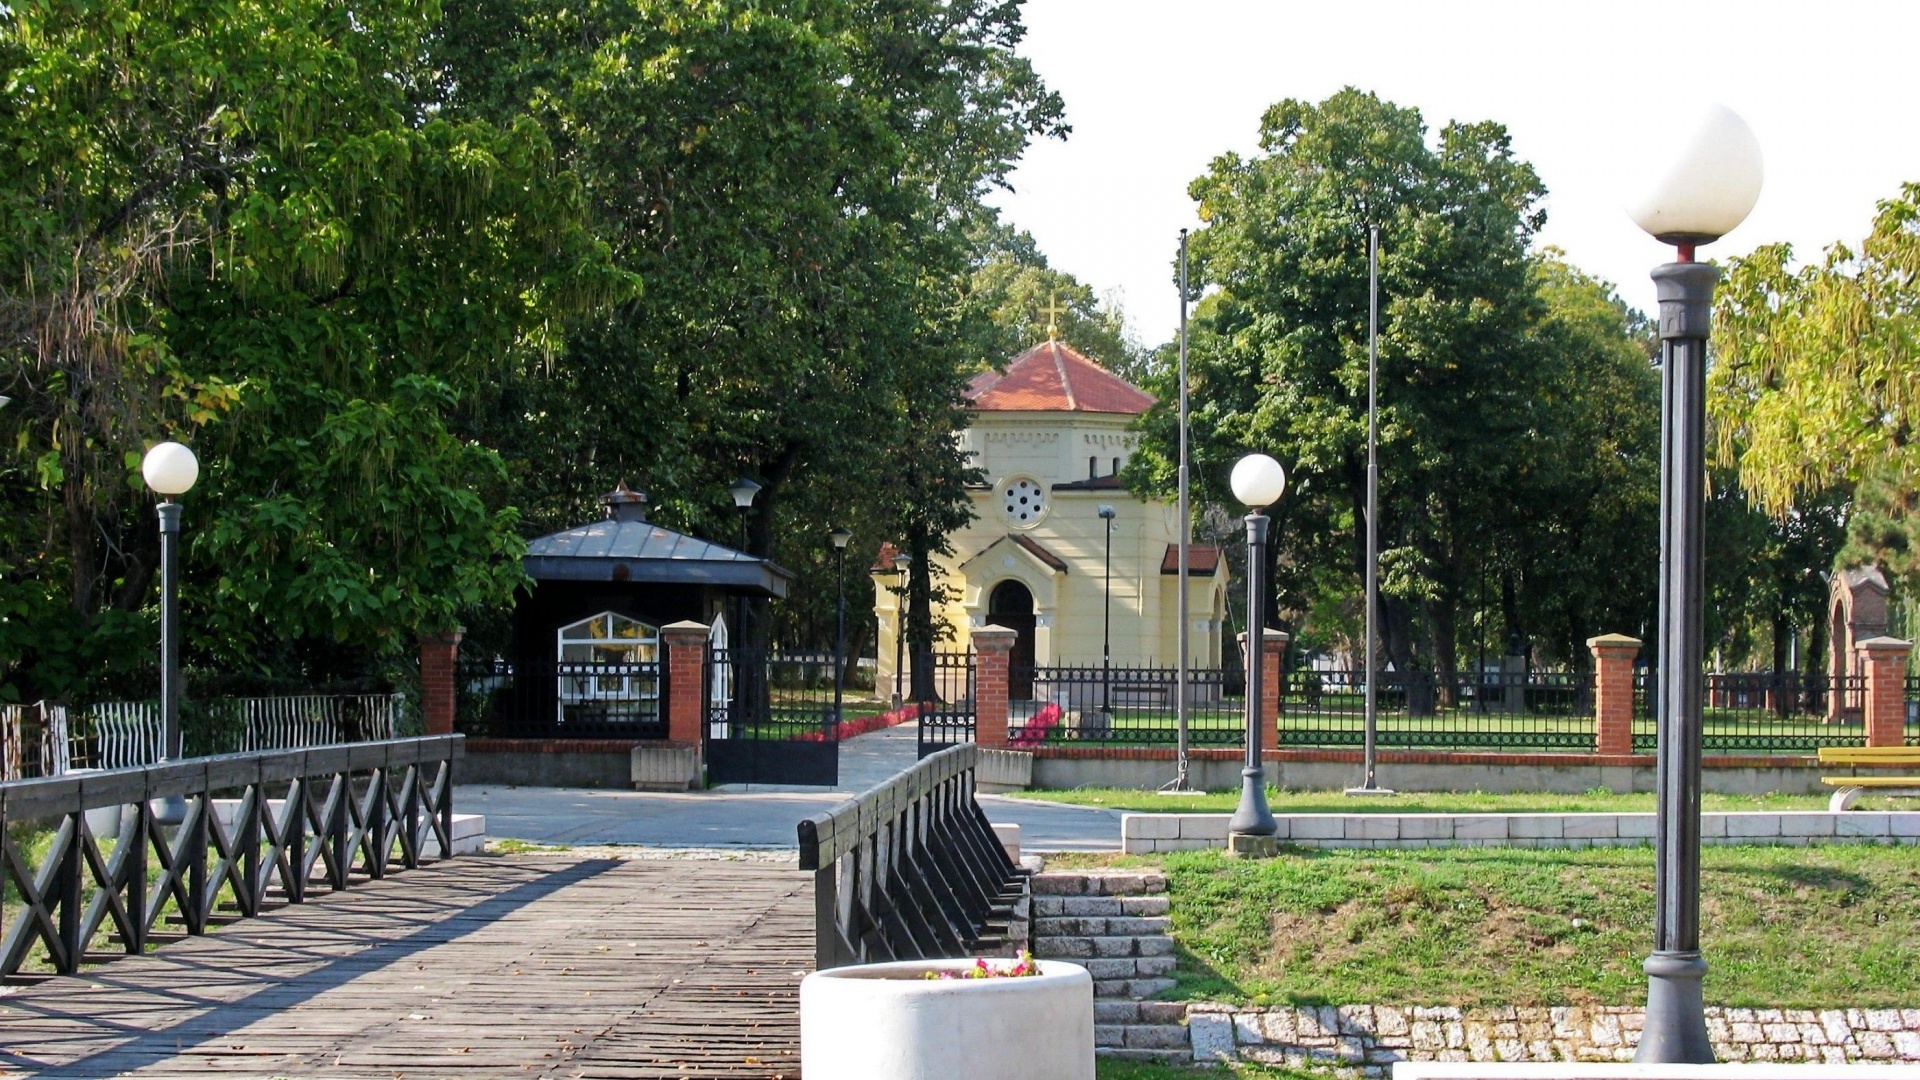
<point x="1271" y="635"/>
<point x="994" y="635"/>
<point x="686" y="628"/>
<point x="1613" y="641"/>
<point x="1884" y="644"/>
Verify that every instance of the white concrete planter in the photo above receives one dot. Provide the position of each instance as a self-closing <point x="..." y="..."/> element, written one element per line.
<point x="891" y="1022"/>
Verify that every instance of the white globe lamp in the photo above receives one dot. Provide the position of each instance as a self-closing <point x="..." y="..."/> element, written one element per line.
<point x="1705" y="182"/>
<point x="170" y="469"/>
<point x="1258" y="481"/>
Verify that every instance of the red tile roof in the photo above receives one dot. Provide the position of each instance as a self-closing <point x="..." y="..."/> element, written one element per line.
<point x="1202" y="559"/>
<point x="1054" y="562"/>
<point x="1053" y="377"/>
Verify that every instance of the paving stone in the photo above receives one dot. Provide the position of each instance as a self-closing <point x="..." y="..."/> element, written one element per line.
<point x="1161" y="1036"/>
<point x="1152" y="966"/>
<point x="1131" y="924"/>
<point x="1163" y="1012"/>
<point x="1112" y="947"/>
<point x="1066" y="948"/>
<point x="1109" y="1035"/>
<point x="1059" y="884"/>
<point x="1109" y="969"/>
<point x="1144" y="905"/>
<point x="1115" y="884"/>
<point x="1154" y="946"/>
<point x="1145" y="988"/>
<point x="1091" y="905"/>
<point x="1116" y="1012"/>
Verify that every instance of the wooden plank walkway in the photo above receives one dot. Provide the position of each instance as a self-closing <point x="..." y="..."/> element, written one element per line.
<point x="510" y="966"/>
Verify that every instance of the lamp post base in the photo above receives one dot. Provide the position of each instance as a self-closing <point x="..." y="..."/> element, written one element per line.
<point x="1249" y="846"/>
<point x="1252" y="817"/>
<point x="1676" y="1027"/>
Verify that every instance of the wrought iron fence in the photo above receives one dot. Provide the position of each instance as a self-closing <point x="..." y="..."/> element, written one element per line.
<point x="562" y="699"/>
<point x="946" y="708"/>
<point x="1421" y="710"/>
<point x="1780" y="712"/>
<point x="1122" y="705"/>
<point x="50" y="739"/>
<point x="76" y="853"/>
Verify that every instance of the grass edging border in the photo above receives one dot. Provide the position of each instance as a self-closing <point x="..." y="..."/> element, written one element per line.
<point x="1152" y="834"/>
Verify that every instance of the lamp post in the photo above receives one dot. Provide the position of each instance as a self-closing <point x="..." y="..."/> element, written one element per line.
<point x="1705" y="193"/>
<point x="1257" y="481"/>
<point x="841" y="537"/>
<point x="901" y="561"/>
<point x="1106" y="631"/>
<point x="170" y="469"/>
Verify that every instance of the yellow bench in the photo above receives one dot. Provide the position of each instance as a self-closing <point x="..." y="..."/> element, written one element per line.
<point x="1851" y="788"/>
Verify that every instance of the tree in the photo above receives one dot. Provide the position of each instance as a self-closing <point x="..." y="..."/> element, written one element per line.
<point x="1010" y="292"/>
<point x="796" y="186"/>
<point x="1817" y="383"/>
<point x="243" y="225"/>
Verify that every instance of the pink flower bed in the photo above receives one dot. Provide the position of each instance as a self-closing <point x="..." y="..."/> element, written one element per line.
<point x="1035" y="731"/>
<point x="847" y="729"/>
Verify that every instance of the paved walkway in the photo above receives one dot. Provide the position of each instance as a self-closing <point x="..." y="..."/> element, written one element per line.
<point x="484" y="966"/>
<point x="755" y="817"/>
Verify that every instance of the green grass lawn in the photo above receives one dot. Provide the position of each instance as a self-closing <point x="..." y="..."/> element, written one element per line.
<point x="1782" y="927"/>
<point x="1443" y="802"/>
<point x="1109" y="1069"/>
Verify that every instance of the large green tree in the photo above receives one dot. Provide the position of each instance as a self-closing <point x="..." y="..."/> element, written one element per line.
<point x="246" y="225"/>
<point x="1514" y="402"/>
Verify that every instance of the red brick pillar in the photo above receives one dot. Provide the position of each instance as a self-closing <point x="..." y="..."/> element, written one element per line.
<point x="1885" y="661"/>
<point x="439" y="663"/>
<point x="1272" y="661"/>
<point x="992" y="652"/>
<point x="1613" y="656"/>
<point x="686" y="682"/>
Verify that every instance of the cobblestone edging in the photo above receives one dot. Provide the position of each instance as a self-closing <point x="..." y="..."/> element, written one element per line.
<point x="1146" y="834"/>
<point x="1365" y="1040"/>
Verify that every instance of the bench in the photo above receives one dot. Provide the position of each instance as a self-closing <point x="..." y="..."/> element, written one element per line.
<point x="1850" y="788"/>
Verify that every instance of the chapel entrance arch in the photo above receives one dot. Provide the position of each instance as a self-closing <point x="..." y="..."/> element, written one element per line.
<point x="1010" y="605"/>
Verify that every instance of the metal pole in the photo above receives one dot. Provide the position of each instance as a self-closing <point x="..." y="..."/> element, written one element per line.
<point x="171" y="744"/>
<point x="1252" y="817"/>
<point x="1106" y="631"/>
<point x="839" y="629"/>
<point x="899" y="631"/>
<point x="1676" y="1026"/>
<point x="1373" y="493"/>
<point x="1186" y="541"/>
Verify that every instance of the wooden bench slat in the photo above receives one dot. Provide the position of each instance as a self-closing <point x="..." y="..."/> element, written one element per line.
<point x="1872" y="781"/>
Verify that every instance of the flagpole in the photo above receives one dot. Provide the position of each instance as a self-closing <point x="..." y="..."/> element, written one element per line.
<point x="1181" y="688"/>
<point x="1369" y="784"/>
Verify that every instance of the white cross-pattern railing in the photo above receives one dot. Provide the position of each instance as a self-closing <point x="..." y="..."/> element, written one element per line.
<point x="49" y="739"/>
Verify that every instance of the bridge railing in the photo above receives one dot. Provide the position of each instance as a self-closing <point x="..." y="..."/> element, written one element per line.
<point x="910" y="870"/>
<point x="120" y="849"/>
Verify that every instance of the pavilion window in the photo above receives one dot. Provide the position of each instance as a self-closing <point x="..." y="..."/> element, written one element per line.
<point x="1093" y="468"/>
<point x="608" y="670"/>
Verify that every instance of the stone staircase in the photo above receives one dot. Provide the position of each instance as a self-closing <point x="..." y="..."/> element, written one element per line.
<point x="1114" y="924"/>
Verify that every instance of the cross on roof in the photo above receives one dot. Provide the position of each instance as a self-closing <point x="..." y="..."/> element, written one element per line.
<point x="1053" y="310"/>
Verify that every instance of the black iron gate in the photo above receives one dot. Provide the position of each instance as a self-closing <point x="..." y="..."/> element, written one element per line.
<point x="947" y="715"/>
<point x="771" y="719"/>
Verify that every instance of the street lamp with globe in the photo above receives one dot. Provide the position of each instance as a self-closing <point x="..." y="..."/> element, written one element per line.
<point x="1706" y="189"/>
<point x="170" y="469"/>
<point x="1258" y="481"/>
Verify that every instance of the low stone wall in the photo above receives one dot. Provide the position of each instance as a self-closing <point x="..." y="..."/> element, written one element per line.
<point x="1147" y="768"/>
<point x="1147" y="834"/>
<point x="1367" y="1039"/>
<point x="1114" y="924"/>
<point x="577" y="763"/>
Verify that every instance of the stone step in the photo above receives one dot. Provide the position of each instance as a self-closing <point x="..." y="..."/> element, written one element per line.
<point x="1095" y="883"/>
<point x="1110" y="1011"/>
<point x="1119" y="1053"/>
<point x="1130" y="988"/>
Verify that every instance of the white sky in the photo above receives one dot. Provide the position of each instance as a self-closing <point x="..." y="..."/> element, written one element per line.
<point x="1156" y="88"/>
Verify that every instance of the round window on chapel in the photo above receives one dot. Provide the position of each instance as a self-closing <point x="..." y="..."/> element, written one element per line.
<point x="1025" y="502"/>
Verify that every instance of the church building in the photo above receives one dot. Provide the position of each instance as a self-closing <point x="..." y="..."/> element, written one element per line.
<point x="1051" y="433"/>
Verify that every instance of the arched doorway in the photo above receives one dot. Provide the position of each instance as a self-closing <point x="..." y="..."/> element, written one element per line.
<point x="1011" y="606"/>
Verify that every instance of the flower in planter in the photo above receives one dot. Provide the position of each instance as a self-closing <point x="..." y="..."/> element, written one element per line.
<point x="983" y="970"/>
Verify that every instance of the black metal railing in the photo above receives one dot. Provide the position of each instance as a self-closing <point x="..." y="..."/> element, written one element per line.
<point x="910" y="870"/>
<point x="563" y="699"/>
<point x="1420" y="710"/>
<point x="86" y="854"/>
<point x="1763" y="712"/>
<point x="946" y="712"/>
<point x="1121" y="705"/>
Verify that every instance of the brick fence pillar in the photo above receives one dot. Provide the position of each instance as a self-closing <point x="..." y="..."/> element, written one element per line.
<point x="439" y="665"/>
<point x="1272" y="661"/>
<point x="1613" y="656"/>
<point x="1885" y="661"/>
<point x="686" y="681"/>
<point x="993" y="652"/>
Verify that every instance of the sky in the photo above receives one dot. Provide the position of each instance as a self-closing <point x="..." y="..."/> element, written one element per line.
<point x="1155" y="89"/>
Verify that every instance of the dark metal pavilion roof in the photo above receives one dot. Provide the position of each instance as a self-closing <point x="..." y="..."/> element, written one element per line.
<point x="625" y="546"/>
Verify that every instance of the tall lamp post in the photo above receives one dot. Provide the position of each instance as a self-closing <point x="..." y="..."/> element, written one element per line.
<point x="745" y="692"/>
<point x="901" y="562"/>
<point x="1258" y="482"/>
<point x="1106" y="630"/>
<point x="841" y="537"/>
<point x="170" y="469"/>
<point x="1706" y="192"/>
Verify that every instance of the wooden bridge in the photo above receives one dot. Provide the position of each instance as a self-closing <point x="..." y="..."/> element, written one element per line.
<point x="518" y="965"/>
